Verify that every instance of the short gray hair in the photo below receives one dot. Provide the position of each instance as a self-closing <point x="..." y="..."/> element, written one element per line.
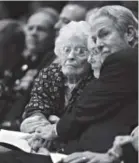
<point x="122" y="16"/>
<point x="79" y="29"/>
<point x="51" y="12"/>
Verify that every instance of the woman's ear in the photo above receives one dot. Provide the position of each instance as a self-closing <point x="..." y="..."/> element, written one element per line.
<point x="131" y="34"/>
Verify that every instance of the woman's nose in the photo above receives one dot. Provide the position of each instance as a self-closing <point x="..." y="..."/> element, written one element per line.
<point x="71" y="55"/>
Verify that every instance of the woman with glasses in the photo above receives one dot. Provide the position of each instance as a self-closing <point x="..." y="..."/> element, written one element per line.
<point x="58" y="87"/>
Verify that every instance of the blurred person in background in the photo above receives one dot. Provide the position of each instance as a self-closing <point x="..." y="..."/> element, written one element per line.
<point x="12" y="43"/>
<point x="70" y="12"/>
<point x="40" y="34"/>
<point x="39" y="44"/>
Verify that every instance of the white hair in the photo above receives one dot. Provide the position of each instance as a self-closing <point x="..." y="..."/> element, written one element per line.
<point x="49" y="12"/>
<point x="79" y="29"/>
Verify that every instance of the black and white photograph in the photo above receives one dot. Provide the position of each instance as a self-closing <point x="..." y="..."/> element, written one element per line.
<point x="69" y="81"/>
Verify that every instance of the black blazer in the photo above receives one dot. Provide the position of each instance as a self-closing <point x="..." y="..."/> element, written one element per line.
<point x="108" y="106"/>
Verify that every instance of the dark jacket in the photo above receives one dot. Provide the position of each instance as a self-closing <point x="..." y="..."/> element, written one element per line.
<point x="107" y="107"/>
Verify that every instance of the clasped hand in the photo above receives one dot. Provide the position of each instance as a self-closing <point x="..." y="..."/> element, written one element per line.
<point x="42" y="137"/>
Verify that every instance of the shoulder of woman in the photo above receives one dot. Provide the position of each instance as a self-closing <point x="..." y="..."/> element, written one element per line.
<point x="52" y="72"/>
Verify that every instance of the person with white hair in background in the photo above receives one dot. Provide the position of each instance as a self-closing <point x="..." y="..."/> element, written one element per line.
<point x="58" y="87"/>
<point x="70" y="12"/>
<point x="111" y="100"/>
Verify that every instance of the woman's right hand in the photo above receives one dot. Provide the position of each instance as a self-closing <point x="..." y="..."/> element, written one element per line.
<point x="30" y="124"/>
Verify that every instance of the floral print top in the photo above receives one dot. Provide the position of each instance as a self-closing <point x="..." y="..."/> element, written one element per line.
<point x="48" y="93"/>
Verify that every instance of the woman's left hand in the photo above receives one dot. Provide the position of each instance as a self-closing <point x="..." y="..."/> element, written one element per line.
<point x="41" y="137"/>
<point x="88" y="157"/>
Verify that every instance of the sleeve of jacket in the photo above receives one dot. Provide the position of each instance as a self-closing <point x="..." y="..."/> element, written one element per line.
<point x="103" y="97"/>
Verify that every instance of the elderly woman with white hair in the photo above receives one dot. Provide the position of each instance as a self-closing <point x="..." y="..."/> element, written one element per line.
<point x="58" y="87"/>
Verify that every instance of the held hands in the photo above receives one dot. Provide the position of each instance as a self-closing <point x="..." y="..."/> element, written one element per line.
<point x="29" y="125"/>
<point x="42" y="137"/>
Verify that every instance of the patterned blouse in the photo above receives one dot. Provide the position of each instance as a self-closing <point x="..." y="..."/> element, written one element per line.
<point x="48" y="93"/>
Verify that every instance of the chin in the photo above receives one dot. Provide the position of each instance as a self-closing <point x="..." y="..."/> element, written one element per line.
<point x="68" y="71"/>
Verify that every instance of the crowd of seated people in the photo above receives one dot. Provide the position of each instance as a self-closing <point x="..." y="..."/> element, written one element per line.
<point x="71" y="81"/>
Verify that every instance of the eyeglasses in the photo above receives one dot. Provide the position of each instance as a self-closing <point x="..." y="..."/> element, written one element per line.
<point x="78" y="51"/>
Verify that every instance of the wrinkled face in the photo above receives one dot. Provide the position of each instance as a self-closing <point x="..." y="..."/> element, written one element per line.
<point x="68" y="14"/>
<point x="104" y="41"/>
<point x="38" y="32"/>
<point x="74" y="56"/>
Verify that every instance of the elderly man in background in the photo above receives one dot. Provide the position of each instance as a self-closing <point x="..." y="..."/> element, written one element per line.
<point x="108" y="104"/>
<point x="58" y="87"/>
<point x="39" y="53"/>
<point x="39" y="40"/>
<point x="70" y="12"/>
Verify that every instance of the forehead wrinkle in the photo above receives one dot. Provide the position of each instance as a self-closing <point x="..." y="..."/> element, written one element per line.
<point x="99" y="24"/>
<point x="74" y="42"/>
<point x="39" y="19"/>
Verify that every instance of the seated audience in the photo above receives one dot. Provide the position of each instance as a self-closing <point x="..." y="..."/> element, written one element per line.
<point x="39" y="53"/>
<point x="57" y="87"/>
<point x="108" y="105"/>
<point x="12" y="42"/>
<point x="70" y="12"/>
